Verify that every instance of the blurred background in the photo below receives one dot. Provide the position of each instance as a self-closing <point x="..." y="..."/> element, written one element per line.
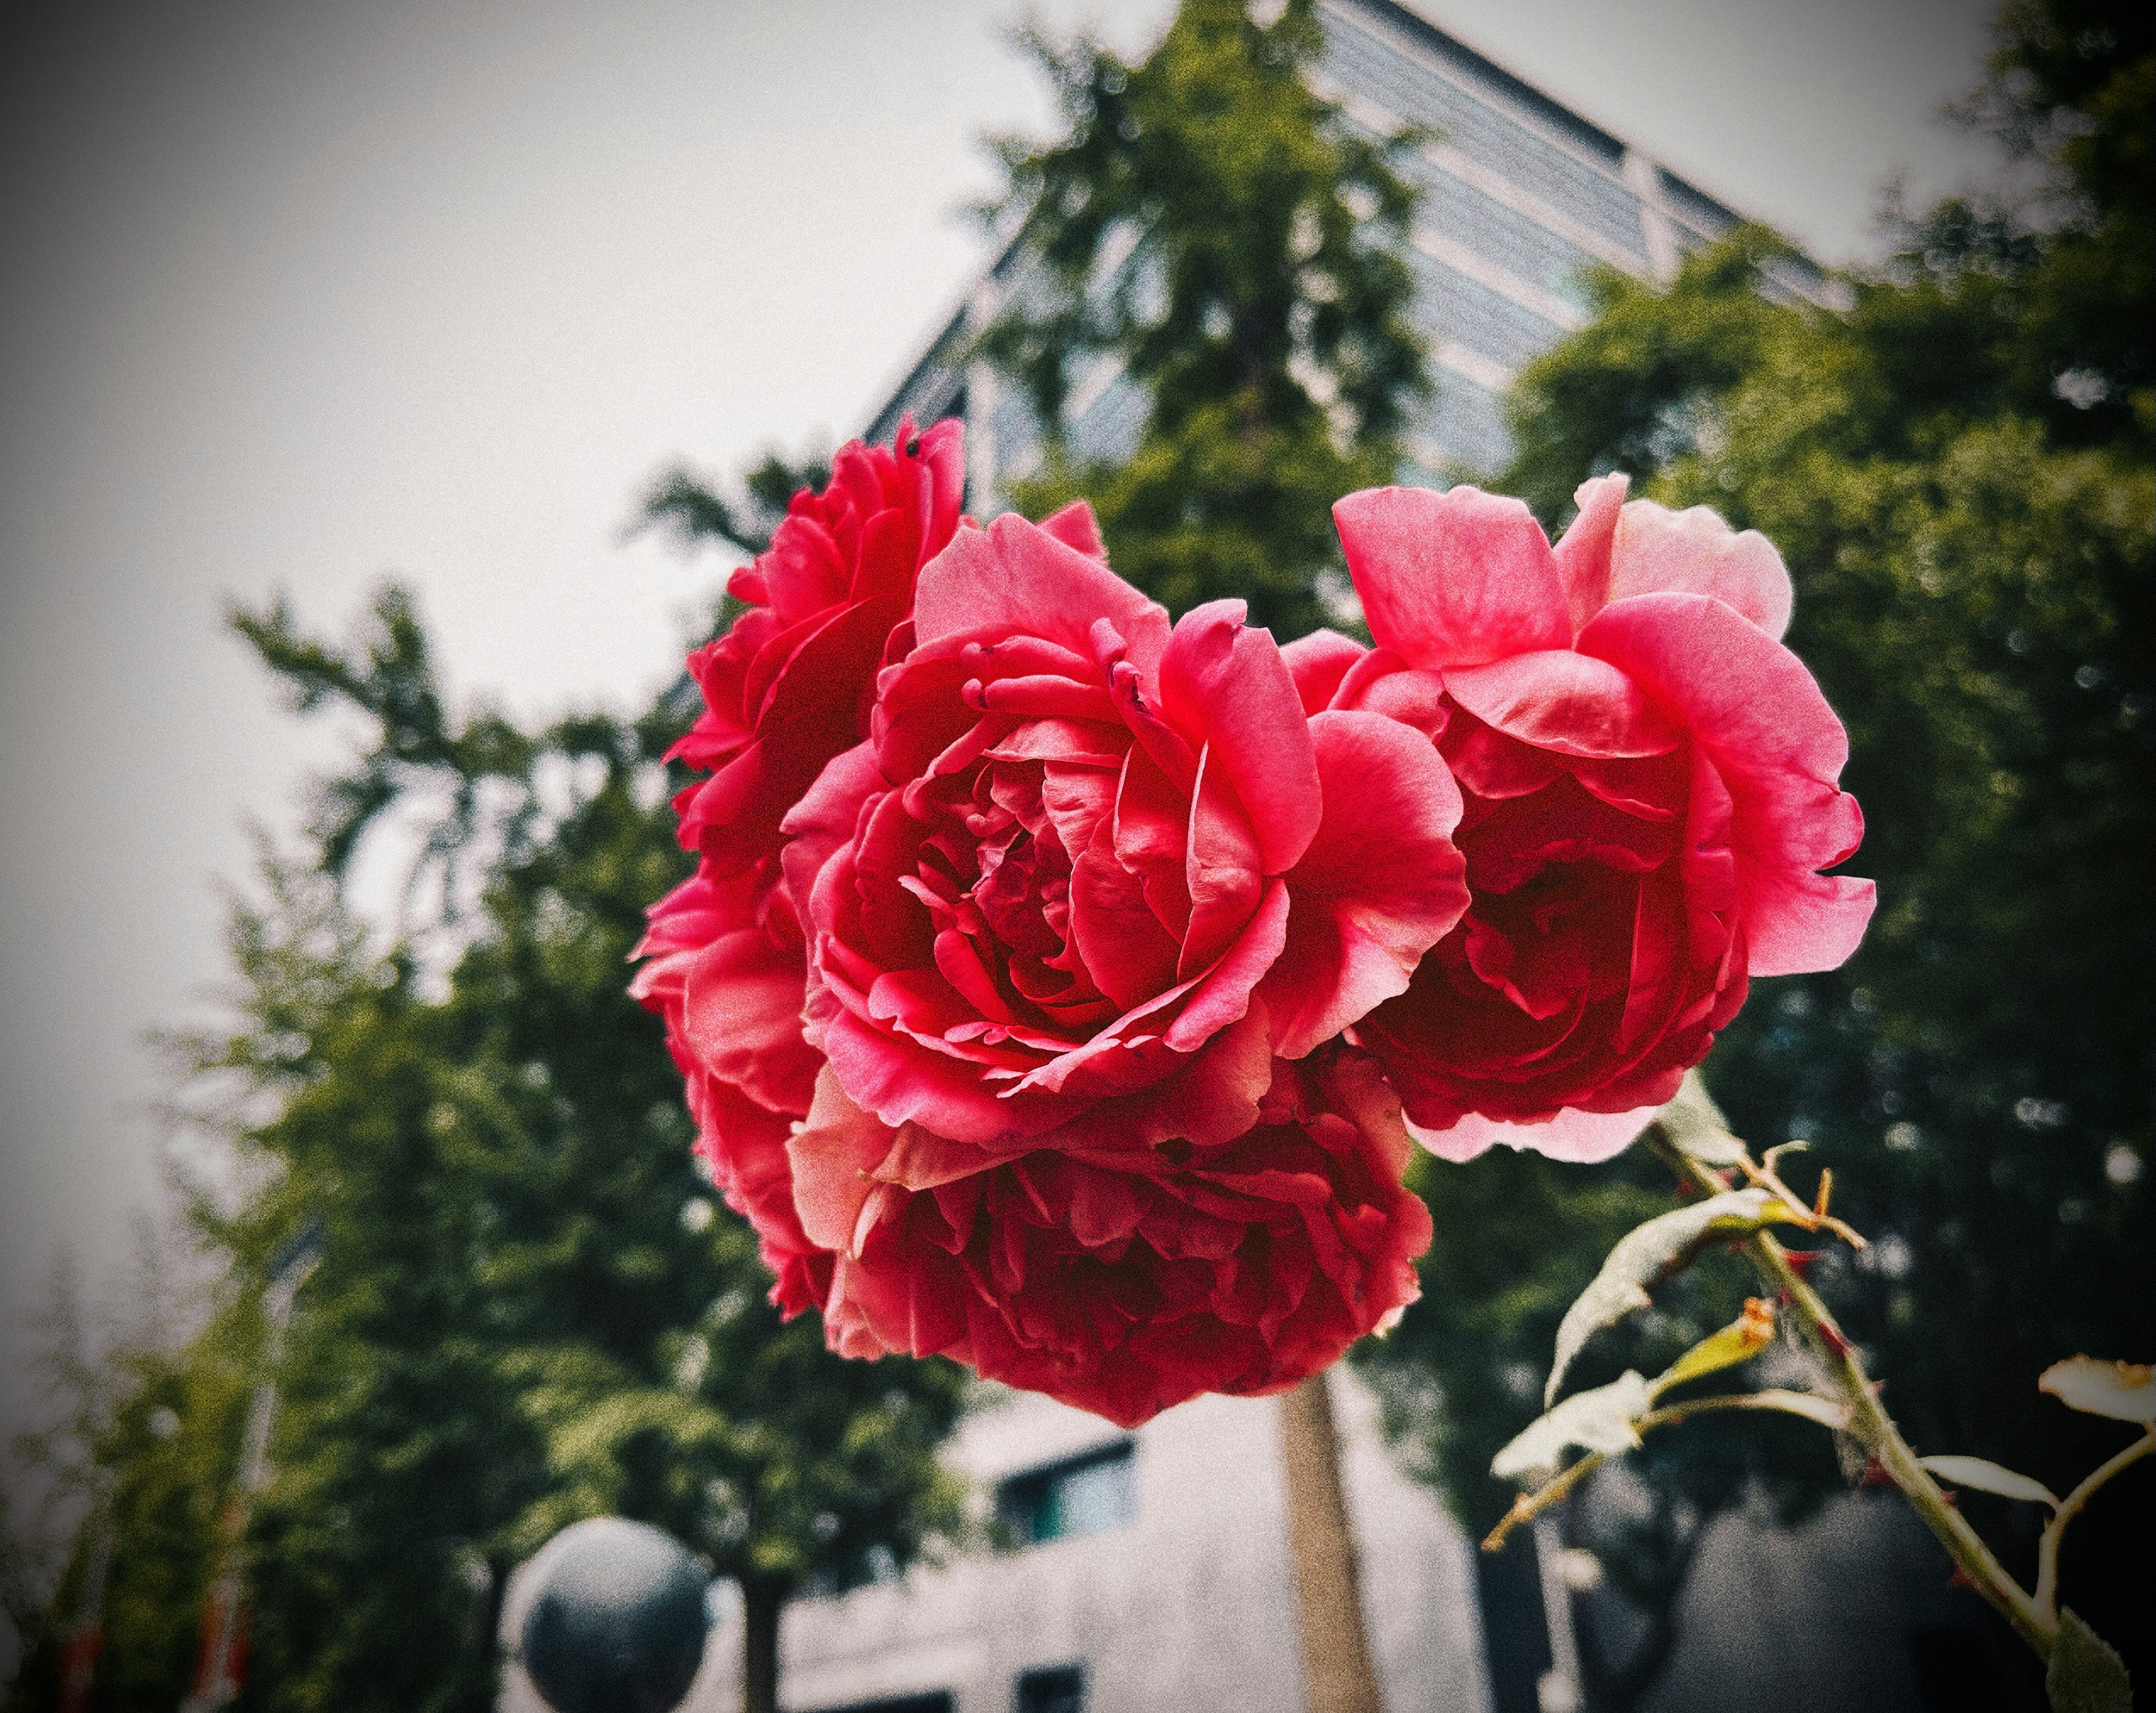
<point x="426" y="372"/>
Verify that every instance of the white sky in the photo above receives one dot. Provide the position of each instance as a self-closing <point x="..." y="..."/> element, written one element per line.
<point x="297" y="295"/>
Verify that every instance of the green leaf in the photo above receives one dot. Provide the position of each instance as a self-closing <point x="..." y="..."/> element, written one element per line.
<point x="2126" y="1392"/>
<point x="1601" y="1420"/>
<point x="1989" y="1478"/>
<point x="1825" y="1411"/>
<point x="1739" y="1342"/>
<point x="1620" y="1288"/>
<point x="2086" y="1675"/>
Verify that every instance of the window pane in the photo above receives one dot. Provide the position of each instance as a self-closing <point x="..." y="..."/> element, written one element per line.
<point x="1052" y="1688"/>
<point x="1096" y="1497"/>
<point x="1086" y="1495"/>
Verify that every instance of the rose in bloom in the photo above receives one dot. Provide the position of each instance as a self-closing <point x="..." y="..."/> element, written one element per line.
<point x="785" y="689"/>
<point x="1122" y="1280"/>
<point x="1649" y="787"/>
<point x="1091" y="872"/>
<point x="724" y="966"/>
<point x="788" y="686"/>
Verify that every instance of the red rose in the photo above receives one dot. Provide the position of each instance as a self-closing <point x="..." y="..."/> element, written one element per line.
<point x="1122" y="1280"/>
<point x="785" y="689"/>
<point x="788" y="686"/>
<point x="725" y="969"/>
<point x="1648" y="778"/>
<point x="1078" y="843"/>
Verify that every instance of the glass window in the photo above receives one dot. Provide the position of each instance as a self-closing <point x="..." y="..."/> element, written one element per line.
<point x="1051" y="1689"/>
<point x="1082" y="1496"/>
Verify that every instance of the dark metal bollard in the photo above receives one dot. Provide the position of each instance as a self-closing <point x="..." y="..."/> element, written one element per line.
<point x="617" y="1622"/>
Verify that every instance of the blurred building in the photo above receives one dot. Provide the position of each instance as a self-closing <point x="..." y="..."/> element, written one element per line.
<point x="1522" y="196"/>
<point x="1147" y="1571"/>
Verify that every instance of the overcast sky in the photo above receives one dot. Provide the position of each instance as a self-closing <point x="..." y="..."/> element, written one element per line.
<point x="299" y="296"/>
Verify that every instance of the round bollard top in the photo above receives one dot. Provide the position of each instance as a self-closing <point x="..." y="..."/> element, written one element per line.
<point x="616" y="1622"/>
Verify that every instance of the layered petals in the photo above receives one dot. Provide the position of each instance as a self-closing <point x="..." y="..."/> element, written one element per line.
<point x="1759" y="718"/>
<point x="723" y="962"/>
<point x="1053" y="879"/>
<point x="1648" y="783"/>
<point x="1614" y="550"/>
<point x="1121" y="1282"/>
<point x="1381" y="883"/>
<point x="786" y="689"/>
<point x="788" y="686"/>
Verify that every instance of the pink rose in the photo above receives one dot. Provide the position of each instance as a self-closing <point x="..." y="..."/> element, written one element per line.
<point x="1122" y="1280"/>
<point x="1081" y="846"/>
<point x="785" y="689"/>
<point x="1648" y="778"/>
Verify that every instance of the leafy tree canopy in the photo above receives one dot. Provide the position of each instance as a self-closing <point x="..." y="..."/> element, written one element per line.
<point x="528" y="1308"/>
<point x="1236" y="245"/>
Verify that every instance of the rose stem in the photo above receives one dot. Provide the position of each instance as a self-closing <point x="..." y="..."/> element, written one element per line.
<point x="1870" y="1424"/>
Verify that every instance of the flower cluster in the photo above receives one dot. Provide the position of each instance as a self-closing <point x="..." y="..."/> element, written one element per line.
<point x="1060" y="988"/>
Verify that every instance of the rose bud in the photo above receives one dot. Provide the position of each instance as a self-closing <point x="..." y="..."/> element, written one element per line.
<point x="1649" y="786"/>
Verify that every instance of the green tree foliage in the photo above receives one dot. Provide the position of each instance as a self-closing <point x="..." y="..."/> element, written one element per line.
<point x="120" y="1397"/>
<point x="696" y="510"/>
<point x="1236" y="245"/>
<point x="527" y="1309"/>
<point x="1957" y="469"/>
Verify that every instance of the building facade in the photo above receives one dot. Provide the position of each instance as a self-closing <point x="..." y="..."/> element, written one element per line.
<point x="1145" y="1571"/>
<point x="1521" y="197"/>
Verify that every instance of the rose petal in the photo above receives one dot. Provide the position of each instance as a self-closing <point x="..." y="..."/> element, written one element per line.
<point x="1580" y="1138"/>
<point x="825" y="817"/>
<point x="1572" y="704"/>
<point x="1798" y="922"/>
<point x="1777" y="747"/>
<point x="741" y="1018"/>
<point x="1015" y="577"/>
<point x="901" y="1081"/>
<point x="1125" y="951"/>
<point x="1694" y="551"/>
<point x="1582" y="554"/>
<point x="1317" y="663"/>
<point x="1222" y="868"/>
<point x="833" y="1154"/>
<point x="1380" y="885"/>
<point x="1223" y="994"/>
<point x="1452" y="579"/>
<point x="1226" y="688"/>
<point x="1076" y="528"/>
